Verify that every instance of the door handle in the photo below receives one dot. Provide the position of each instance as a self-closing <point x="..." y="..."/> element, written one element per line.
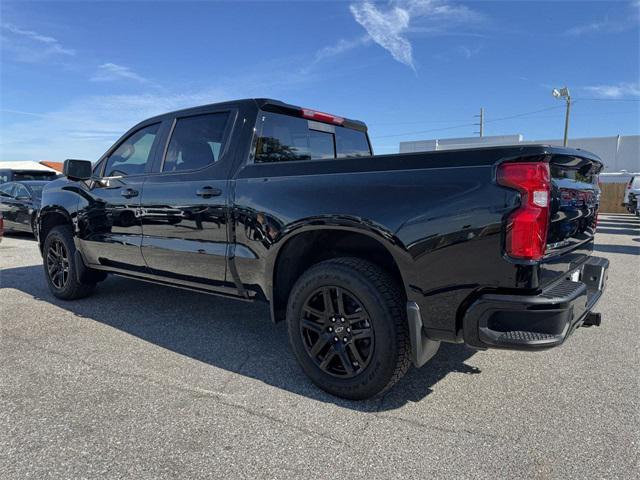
<point x="207" y="192"/>
<point x="129" y="192"/>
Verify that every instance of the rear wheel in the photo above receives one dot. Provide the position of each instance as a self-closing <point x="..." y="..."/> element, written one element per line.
<point x="60" y="265"/>
<point x="348" y="329"/>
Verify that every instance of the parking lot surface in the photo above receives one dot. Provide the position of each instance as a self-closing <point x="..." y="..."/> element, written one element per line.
<point x="144" y="381"/>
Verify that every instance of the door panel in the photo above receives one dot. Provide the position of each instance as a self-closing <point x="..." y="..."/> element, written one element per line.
<point x="184" y="206"/>
<point x="24" y="208"/>
<point x="8" y="205"/>
<point x="112" y="232"/>
<point x="185" y="234"/>
<point x="112" y="227"/>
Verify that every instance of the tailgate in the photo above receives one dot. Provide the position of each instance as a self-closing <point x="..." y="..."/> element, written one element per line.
<point x="575" y="198"/>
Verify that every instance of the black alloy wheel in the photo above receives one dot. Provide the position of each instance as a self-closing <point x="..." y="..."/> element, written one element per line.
<point x="336" y="331"/>
<point x="58" y="264"/>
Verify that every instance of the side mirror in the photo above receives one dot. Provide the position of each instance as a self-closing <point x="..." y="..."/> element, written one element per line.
<point x="77" y="169"/>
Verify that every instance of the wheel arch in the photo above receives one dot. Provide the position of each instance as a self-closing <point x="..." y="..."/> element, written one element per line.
<point x="312" y="244"/>
<point x="49" y="218"/>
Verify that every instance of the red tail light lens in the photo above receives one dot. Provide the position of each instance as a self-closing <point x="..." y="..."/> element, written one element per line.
<point x="526" y="236"/>
<point x="321" y="117"/>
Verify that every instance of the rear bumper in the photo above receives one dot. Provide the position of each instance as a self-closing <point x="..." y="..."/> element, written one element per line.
<point x="534" y="322"/>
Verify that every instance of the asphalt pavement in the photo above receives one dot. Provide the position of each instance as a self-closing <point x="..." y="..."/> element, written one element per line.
<point x="144" y="381"/>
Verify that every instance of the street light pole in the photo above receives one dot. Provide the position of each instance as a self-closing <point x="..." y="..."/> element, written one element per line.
<point x="566" y="120"/>
<point x="564" y="93"/>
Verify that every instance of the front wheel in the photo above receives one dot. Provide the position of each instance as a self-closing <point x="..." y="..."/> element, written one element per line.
<point x="348" y="329"/>
<point x="60" y="265"/>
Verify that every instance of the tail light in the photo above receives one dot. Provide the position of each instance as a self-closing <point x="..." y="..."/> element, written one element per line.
<point x="526" y="236"/>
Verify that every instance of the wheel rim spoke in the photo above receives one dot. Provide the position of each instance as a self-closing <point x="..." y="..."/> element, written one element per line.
<point x="328" y="302"/>
<point x="319" y="345"/>
<point x="313" y="311"/>
<point x="356" y="317"/>
<point x="340" y="302"/>
<point x="57" y="264"/>
<point x="328" y="357"/>
<point x="355" y="353"/>
<point x="361" y="334"/>
<point x="346" y="361"/>
<point x="311" y="325"/>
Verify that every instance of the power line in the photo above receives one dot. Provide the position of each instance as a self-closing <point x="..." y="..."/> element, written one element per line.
<point x="468" y="124"/>
<point x="609" y="99"/>
<point x="425" y="131"/>
<point x="524" y="114"/>
<point x="499" y="119"/>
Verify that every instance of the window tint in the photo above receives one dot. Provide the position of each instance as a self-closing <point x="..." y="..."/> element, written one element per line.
<point x="351" y="143"/>
<point x="282" y="138"/>
<point x="5" y="176"/>
<point x="196" y="142"/>
<point x="6" y="189"/>
<point x="131" y="157"/>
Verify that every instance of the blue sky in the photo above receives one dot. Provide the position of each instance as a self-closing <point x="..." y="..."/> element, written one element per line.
<point x="76" y="75"/>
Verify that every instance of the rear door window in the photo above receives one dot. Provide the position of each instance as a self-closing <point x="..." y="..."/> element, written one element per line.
<point x="196" y="142"/>
<point x="283" y="138"/>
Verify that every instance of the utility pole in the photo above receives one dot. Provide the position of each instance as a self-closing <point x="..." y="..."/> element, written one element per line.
<point x="481" y="132"/>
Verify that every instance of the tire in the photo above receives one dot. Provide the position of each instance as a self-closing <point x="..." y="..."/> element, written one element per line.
<point x="34" y="226"/>
<point x="374" y="338"/>
<point x="60" y="265"/>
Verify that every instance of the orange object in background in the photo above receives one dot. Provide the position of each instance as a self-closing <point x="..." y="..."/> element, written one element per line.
<point x="55" y="165"/>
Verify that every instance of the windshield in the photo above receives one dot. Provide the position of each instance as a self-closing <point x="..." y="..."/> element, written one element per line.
<point x="33" y="175"/>
<point x="36" y="190"/>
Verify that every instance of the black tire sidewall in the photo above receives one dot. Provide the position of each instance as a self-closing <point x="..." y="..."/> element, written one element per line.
<point x="376" y="376"/>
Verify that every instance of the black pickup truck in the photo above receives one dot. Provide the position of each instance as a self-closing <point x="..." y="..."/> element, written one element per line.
<point x="371" y="260"/>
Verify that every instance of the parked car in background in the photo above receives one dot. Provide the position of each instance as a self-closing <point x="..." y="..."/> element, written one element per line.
<point x="17" y="171"/>
<point x="632" y="195"/>
<point x="372" y="260"/>
<point x="19" y="204"/>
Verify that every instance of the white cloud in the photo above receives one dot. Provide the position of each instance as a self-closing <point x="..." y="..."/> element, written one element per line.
<point x="622" y="22"/>
<point x="390" y="27"/>
<point x="386" y="29"/>
<point x="111" y="72"/>
<point x="340" y="47"/>
<point x="33" y="45"/>
<point x="467" y="51"/>
<point x="619" y="90"/>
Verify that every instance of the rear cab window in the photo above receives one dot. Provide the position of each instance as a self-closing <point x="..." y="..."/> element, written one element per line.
<point x="282" y="138"/>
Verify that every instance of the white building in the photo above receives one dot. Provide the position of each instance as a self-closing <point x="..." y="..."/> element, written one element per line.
<point x="620" y="154"/>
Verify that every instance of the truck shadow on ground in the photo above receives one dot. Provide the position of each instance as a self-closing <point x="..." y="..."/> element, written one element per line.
<point x="228" y="334"/>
